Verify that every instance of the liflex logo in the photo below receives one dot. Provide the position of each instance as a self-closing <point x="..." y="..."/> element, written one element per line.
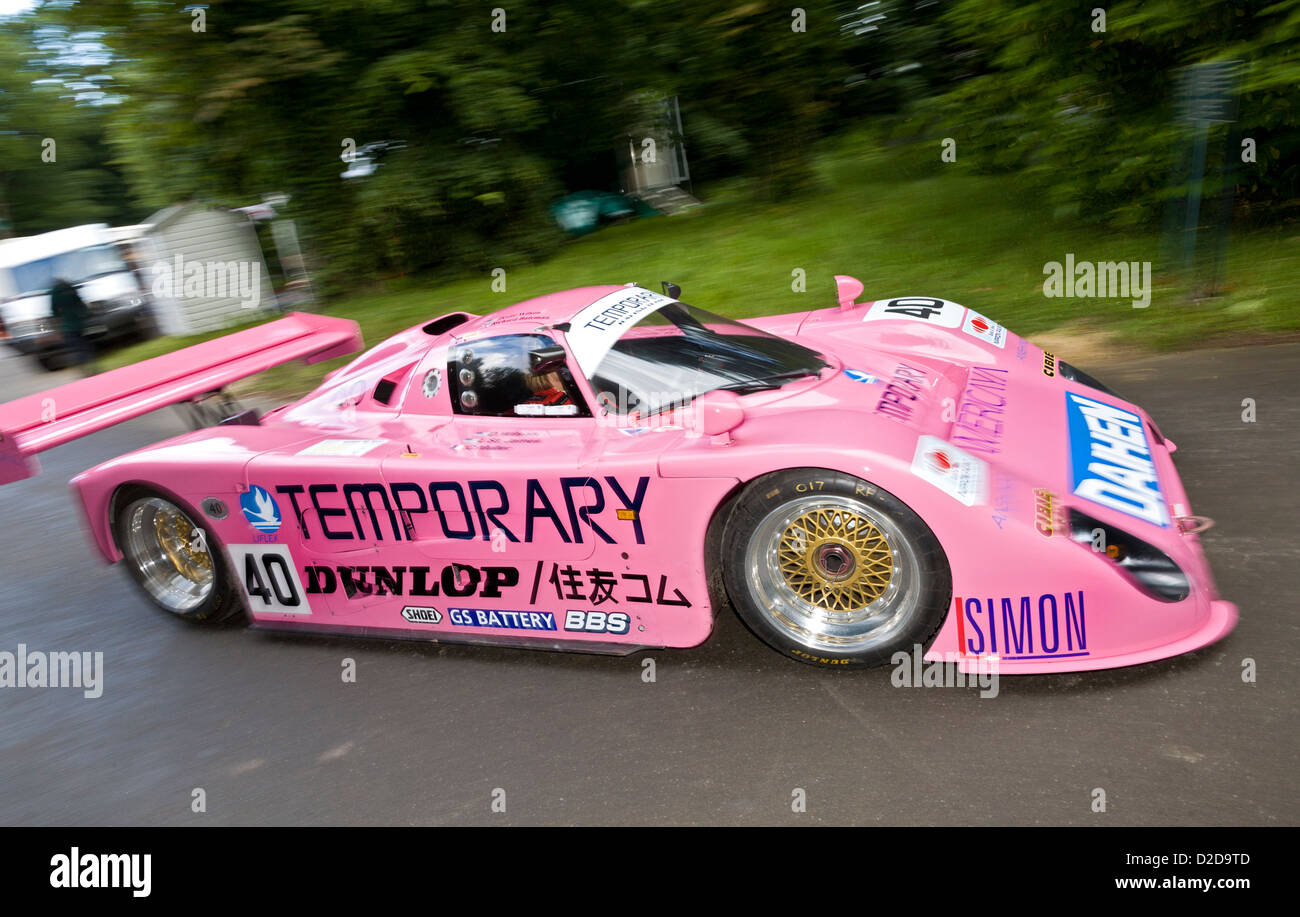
<point x="261" y="510"/>
<point x="1110" y="460"/>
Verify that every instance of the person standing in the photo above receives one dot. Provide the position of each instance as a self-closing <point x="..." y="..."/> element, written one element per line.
<point x="70" y="312"/>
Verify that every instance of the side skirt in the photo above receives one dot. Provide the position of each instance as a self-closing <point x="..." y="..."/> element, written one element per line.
<point x="521" y="643"/>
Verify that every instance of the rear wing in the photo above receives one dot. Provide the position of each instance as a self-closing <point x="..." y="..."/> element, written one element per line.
<point x="47" y="419"/>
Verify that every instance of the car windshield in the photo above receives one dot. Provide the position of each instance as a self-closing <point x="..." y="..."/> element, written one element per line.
<point x="677" y="352"/>
<point x="75" y="266"/>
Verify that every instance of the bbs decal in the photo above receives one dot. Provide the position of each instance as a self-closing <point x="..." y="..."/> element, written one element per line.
<point x="596" y="622"/>
<point x="269" y="579"/>
<point x="939" y="312"/>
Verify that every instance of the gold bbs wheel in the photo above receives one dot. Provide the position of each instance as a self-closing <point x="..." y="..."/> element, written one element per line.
<point x="169" y="553"/>
<point x="184" y="544"/>
<point x="833" y="570"/>
<point x="836" y="559"/>
<point x="171" y="556"/>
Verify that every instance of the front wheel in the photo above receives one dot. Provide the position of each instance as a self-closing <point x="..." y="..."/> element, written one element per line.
<point x="174" y="559"/>
<point x="831" y="570"/>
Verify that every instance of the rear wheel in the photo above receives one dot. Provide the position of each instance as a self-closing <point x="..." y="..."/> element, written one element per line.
<point x="172" y="557"/>
<point x="831" y="570"/>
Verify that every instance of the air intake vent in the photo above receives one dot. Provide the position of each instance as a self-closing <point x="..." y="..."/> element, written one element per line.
<point x="384" y="391"/>
<point x="446" y="323"/>
<point x="1152" y="569"/>
<point x="387" y="386"/>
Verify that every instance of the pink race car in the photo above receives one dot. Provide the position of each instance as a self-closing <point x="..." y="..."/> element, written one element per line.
<point x="602" y="469"/>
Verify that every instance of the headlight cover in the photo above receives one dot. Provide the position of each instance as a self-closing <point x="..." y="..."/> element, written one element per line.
<point x="1152" y="570"/>
<point x="1074" y="374"/>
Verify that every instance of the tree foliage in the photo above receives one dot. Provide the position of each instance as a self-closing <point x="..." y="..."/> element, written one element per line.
<point x="1089" y="114"/>
<point x="53" y="167"/>
<point x="494" y="112"/>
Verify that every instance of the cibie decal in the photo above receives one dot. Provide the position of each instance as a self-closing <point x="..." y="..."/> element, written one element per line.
<point x="261" y="510"/>
<point x="954" y="471"/>
<point x="858" y="375"/>
<point x="1110" y="460"/>
<point x="502" y="620"/>
<point x="985" y="329"/>
<point x="1049" y="517"/>
<point x="1023" y="627"/>
<point x="939" y="312"/>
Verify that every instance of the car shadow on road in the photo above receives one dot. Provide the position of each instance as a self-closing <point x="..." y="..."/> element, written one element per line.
<point x="732" y="649"/>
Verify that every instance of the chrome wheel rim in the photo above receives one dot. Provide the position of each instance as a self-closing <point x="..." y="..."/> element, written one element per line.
<point x="833" y="573"/>
<point x="170" y="554"/>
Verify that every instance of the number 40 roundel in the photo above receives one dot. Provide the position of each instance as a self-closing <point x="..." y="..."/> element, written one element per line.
<point x="269" y="579"/>
<point x="940" y="312"/>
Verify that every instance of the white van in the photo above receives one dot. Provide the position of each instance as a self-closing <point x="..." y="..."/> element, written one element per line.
<point x="88" y="258"/>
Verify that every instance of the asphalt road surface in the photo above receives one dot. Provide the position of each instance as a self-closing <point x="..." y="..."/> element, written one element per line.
<point x="726" y="733"/>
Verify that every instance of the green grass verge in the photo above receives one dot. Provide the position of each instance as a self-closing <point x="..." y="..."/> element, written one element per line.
<point x="898" y="220"/>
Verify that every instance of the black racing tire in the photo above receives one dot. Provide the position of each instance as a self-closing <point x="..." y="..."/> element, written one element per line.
<point x="185" y="576"/>
<point x="833" y="571"/>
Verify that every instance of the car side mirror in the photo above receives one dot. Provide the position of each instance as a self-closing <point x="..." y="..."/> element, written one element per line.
<point x="847" y="290"/>
<point x="546" y="359"/>
<point x="717" y="413"/>
<point x="672" y="290"/>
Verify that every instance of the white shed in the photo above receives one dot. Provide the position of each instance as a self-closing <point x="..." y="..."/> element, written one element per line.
<point x="205" y="269"/>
